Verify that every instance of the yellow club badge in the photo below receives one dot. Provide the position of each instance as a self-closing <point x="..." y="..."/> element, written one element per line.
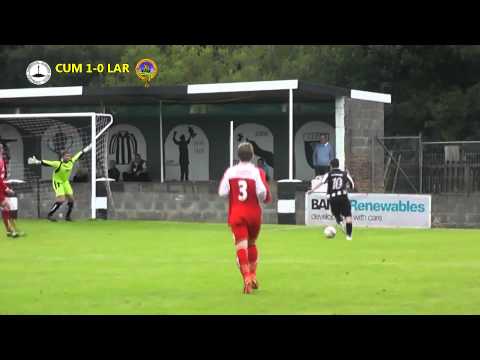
<point x="146" y="70"/>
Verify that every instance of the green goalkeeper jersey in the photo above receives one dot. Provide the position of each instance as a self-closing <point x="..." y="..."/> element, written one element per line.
<point x="62" y="169"/>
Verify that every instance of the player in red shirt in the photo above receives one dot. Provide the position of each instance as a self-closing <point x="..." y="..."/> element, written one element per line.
<point x="8" y="220"/>
<point x="246" y="186"/>
<point x="5" y="206"/>
<point x="3" y="163"/>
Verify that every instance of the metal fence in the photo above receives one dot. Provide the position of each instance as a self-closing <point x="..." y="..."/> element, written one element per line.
<point x="402" y="163"/>
<point x="451" y="167"/>
<point x="416" y="166"/>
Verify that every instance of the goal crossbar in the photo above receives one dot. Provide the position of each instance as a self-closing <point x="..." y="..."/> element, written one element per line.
<point x="47" y="115"/>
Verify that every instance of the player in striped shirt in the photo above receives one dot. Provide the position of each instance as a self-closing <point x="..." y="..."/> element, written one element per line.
<point x="337" y="193"/>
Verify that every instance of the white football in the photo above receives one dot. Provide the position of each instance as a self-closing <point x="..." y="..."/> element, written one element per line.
<point x="330" y="232"/>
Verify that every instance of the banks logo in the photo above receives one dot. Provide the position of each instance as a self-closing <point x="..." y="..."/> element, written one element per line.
<point x="319" y="204"/>
<point x="38" y="72"/>
<point x="146" y="70"/>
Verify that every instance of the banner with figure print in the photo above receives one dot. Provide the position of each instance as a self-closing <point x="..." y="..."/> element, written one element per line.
<point x="124" y="141"/>
<point x="306" y="138"/>
<point x="261" y="139"/>
<point x="187" y="154"/>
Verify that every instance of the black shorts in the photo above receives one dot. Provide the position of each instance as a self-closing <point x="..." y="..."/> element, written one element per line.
<point x="340" y="205"/>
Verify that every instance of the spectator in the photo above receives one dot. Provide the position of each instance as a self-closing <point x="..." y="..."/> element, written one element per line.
<point x="138" y="170"/>
<point x="113" y="172"/>
<point x="322" y="155"/>
<point x="261" y="164"/>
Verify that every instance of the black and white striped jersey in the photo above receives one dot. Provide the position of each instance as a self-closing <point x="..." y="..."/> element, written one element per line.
<point x="337" y="181"/>
<point x="123" y="145"/>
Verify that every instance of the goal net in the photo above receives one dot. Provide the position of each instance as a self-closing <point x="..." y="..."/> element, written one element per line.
<point x="45" y="136"/>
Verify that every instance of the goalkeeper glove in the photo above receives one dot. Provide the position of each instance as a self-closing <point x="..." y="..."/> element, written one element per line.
<point x="33" y="161"/>
<point x="87" y="148"/>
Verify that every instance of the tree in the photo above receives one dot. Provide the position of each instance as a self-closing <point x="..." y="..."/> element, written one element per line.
<point x="434" y="88"/>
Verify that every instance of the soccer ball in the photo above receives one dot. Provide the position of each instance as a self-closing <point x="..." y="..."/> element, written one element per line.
<point x="330" y="232"/>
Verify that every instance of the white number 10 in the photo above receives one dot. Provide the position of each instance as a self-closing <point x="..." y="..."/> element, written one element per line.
<point x="337" y="183"/>
<point x="242" y="185"/>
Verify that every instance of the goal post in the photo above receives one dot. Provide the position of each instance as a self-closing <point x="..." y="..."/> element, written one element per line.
<point x="55" y="131"/>
<point x="93" y="179"/>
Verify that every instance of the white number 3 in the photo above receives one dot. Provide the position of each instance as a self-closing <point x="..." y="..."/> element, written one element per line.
<point x="242" y="185"/>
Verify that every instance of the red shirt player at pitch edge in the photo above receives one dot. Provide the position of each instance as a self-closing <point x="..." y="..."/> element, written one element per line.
<point x="246" y="186"/>
<point x="8" y="221"/>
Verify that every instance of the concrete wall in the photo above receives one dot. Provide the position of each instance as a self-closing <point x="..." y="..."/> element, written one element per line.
<point x="31" y="202"/>
<point x="363" y="157"/>
<point x="146" y="201"/>
<point x="456" y="210"/>
<point x="200" y="202"/>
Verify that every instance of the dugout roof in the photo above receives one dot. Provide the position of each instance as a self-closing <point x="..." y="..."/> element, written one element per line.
<point x="241" y="92"/>
<point x="262" y="92"/>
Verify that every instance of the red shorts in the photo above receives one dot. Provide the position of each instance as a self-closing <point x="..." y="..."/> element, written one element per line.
<point x="246" y="229"/>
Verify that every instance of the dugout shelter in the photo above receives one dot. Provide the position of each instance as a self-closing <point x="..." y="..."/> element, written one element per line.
<point x="283" y="118"/>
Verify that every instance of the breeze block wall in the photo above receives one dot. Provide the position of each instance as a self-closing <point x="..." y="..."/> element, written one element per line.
<point x="199" y="202"/>
<point x="175" y="201"/>
<point x="31" y="202"/>
<point x="364" y="158"/>
<point x="456" y="210"/>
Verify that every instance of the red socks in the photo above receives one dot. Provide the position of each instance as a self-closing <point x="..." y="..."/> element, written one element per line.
<point x="247" y="261"/>
<point x="252" y="259"/>
<point x="242" y="256"/>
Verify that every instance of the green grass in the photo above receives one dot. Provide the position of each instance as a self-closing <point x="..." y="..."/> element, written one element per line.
<point x="146" y="267"/>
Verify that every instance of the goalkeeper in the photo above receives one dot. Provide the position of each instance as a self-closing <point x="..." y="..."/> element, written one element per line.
<point x="60" y="179"/>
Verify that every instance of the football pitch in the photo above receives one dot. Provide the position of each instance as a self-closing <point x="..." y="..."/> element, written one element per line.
<point x="148" y="267"/>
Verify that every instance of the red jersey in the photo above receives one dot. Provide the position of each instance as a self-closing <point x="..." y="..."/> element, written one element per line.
<point x="246" y="186"/>
<point x="3" y="190"/>
<point x="3" y="168"/>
